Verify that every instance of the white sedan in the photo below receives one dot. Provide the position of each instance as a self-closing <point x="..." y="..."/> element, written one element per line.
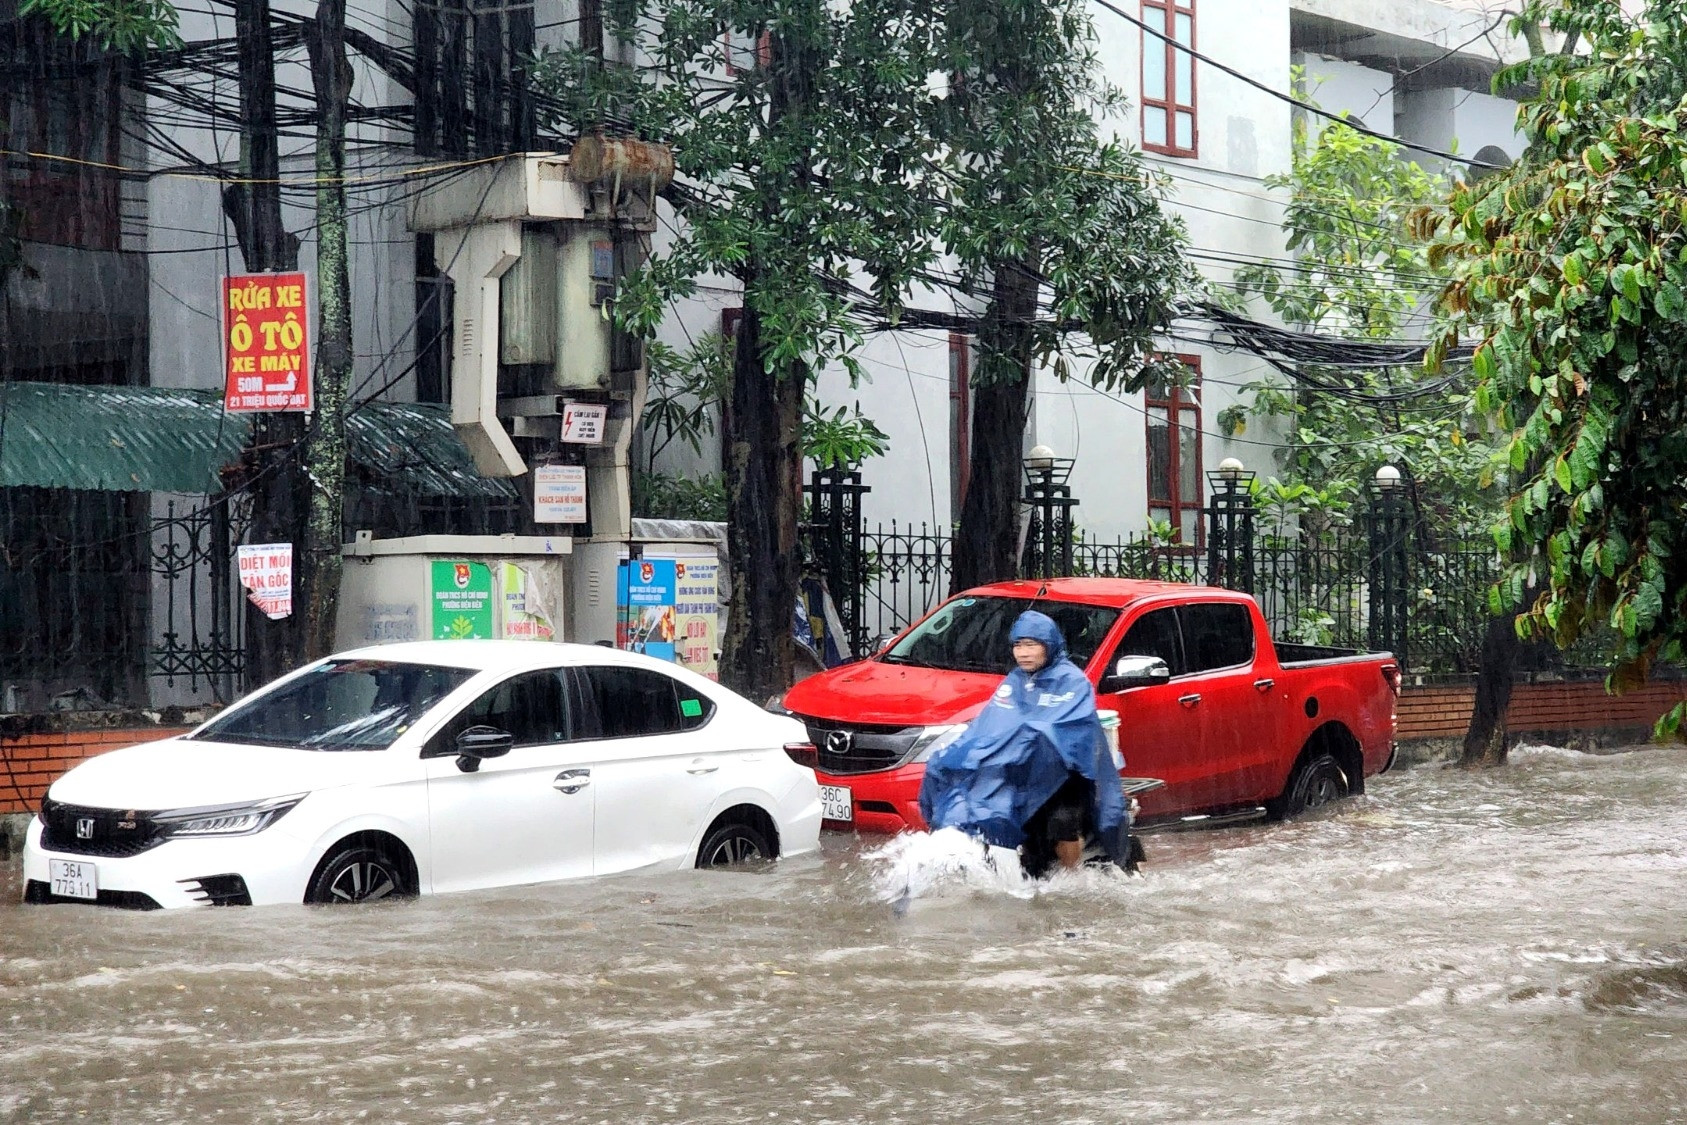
<point x="427" y="767"/>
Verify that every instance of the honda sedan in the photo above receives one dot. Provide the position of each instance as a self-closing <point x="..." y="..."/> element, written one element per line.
<point x="428" y="767"/>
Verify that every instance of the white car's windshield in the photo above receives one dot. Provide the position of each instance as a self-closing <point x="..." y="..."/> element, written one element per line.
<point x="342" y="705"/>
<point x="970" y="634"/>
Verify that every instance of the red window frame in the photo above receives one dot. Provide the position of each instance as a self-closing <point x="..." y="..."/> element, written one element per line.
<point x="763" y="52"/>
<point x="1183" y="409"/>
<point x="960" y="420"/>
<point x="1165" y="101"/>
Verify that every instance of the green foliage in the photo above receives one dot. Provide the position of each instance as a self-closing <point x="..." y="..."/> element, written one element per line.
<point x="684" y="400"/>
<point x="1359" y="270"/>
<point x="1568" y="270"/>
<point x="843" y="437"/>
<point x="1027" y="175"/>
<point x="125" y="26"/>
<point x="669" y="496"/>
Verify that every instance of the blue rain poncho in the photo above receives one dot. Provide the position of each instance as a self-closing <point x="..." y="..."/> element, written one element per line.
<point x="1034" y="733"/>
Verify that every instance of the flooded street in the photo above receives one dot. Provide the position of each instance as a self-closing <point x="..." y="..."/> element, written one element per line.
<point x="1452" y="948"/>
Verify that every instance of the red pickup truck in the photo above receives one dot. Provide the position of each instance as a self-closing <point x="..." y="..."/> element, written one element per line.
<point x="1206" y="701"/>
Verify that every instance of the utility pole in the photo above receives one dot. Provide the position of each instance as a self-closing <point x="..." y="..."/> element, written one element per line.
<point x="325" y="440"/>
<point x="253" y="206"/>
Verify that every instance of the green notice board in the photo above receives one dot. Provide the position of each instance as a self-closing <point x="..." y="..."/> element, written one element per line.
<point x="462" y="600"/>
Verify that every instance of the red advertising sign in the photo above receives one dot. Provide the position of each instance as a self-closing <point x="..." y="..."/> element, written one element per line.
<point x="266" y="343"/>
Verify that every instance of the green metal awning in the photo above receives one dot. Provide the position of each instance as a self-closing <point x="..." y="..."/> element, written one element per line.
<point x="161" y="439"/>
<point x="114" y="439"/>
<point x="414" y="442"/>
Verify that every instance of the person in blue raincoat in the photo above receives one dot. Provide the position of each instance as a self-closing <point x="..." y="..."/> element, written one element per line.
<point x="1034" y="769"/>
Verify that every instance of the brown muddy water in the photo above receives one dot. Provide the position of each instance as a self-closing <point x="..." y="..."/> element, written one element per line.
<point x="1452" y="948"/>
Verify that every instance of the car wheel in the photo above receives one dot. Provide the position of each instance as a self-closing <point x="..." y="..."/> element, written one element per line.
<point x="358" y="873"/>
<point x="731" y="844"/>
<point x="1316" y="782"/>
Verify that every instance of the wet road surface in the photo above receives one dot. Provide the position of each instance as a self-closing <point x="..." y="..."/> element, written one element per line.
<point x="1451" y="948"/>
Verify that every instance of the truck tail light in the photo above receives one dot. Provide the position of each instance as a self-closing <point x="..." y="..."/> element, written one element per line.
<point x="803" y="753"/>
<point x="1391" y="674"/>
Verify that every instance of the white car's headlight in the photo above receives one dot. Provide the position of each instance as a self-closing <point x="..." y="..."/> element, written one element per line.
<point x="224" y="820"/>
<point x="933" y="739"/>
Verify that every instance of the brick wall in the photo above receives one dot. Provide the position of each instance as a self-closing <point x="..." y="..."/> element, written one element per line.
<point x="1444" y="711"/>
<point x="31" y="762"/>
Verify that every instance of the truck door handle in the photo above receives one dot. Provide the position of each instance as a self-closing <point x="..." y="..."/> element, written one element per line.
<point x="1189" y="700"/>
<point x="572" y="781"/>
<point x="1264" y="685"/>
<point x="698" y="767"/>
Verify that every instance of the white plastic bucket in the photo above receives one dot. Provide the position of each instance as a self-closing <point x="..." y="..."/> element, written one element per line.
<point x="1110" y="728"/>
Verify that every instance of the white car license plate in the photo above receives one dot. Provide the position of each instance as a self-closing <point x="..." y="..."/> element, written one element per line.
<point x="835" y="803"/>
<point x="74" y="878"/>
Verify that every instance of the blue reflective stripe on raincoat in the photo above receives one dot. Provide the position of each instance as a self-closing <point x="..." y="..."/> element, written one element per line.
<point x="1020" y="750"/>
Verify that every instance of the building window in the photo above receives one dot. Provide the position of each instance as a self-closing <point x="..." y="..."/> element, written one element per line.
<point x="1168" y="78"/>
<point x="471" y="75"/>
<point x="960" y="420"/>
<point x="434" y="318"/>
<point x="746" y="53"/>
<point x="1174" y="453"/>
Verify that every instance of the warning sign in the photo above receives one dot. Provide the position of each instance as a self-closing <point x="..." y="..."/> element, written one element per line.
<point x="266" y="343"/>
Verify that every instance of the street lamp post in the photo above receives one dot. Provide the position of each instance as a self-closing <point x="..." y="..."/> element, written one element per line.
<point x="1230" y="527"/>
<point x="1049" y="500"/>
<point x="1389" y="564"/>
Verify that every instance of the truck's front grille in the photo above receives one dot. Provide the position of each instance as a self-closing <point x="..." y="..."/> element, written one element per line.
<point x="847" y="748"/>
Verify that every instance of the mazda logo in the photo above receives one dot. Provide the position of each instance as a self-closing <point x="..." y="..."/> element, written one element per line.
<point x="84" y="828"/>
<point x="838" y="742"/>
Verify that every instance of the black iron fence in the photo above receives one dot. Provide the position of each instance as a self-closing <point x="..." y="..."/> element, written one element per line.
<point x="1315" y="589"/>
<point x="1381" y="581"/>
<point x="133" y="600"/>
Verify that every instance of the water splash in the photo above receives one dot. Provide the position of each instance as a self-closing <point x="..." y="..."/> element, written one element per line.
<point x="917" y="865"/>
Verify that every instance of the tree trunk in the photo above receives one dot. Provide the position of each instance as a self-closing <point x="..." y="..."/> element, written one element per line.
<point x="986" y="545"/>
<point x="1486" y="741"/>
<point x="270" y="466"/>
<point x="762" y="462"/>
<point x="325" y="439"/>
<point x="761" y="434"/>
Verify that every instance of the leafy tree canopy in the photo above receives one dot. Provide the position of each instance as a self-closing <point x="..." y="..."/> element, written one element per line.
<point x="1358" y="270"/>
<point x="793" y="172"/>
<point x="1569" y="270"/>
<point x="125" y="26"/>
<point x="1029" y="181"/>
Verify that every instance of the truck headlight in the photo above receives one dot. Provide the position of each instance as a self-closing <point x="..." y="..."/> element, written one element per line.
<point x="933" y="739"/>
<point x="224" y="820"/>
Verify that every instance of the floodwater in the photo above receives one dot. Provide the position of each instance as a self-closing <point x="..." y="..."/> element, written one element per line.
<point x="1452" y="948"/>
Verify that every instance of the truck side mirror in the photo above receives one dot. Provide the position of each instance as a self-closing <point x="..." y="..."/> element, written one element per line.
<point x="1134" y="672"/>
<point x="479" y="742"/>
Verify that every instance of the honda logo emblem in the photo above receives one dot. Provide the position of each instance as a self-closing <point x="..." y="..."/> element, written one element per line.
<point x="84" y="828"/>
<point x="838" y="742"/>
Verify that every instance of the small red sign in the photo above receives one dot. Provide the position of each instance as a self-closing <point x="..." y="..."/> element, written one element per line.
<point x="266" y="343"/>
